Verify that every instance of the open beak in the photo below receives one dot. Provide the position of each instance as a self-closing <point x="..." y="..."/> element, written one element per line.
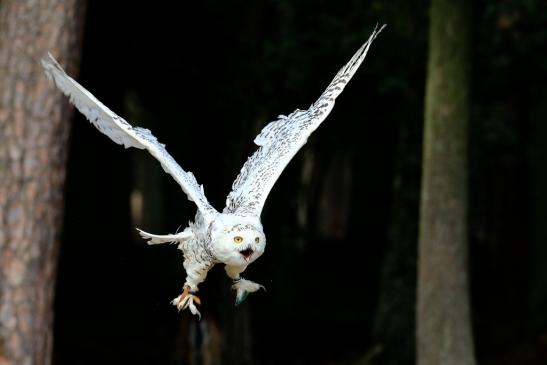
<point x="247" y="254"/>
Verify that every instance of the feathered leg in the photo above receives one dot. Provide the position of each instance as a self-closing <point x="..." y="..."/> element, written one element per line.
<point x="196" y="274"/>
<point x="187" y="300"/>
<point x="243" y="287"/>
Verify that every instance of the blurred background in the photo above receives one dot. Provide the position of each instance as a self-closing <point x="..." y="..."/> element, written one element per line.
<point x="342" y="221"/>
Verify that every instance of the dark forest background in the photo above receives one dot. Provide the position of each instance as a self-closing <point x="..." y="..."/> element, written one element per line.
<point x="342" y="221"/>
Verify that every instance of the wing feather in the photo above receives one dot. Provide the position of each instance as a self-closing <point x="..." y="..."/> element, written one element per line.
<point x="121" y="132"/>
<point x="280" y="140"/>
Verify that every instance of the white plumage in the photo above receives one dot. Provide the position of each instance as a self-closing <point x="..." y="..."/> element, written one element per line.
<point x="234" y="237"/>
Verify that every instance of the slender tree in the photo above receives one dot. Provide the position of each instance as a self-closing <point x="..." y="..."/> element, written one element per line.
<point x="444" y="335"/>
<point x="34" y="126"/>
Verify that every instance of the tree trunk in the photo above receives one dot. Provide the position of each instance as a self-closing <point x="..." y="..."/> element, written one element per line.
<point x="444" y="335"/>
<point x="34" y="126"/>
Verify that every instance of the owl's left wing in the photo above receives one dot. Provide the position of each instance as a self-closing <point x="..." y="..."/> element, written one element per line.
<point x="280" y="140"/>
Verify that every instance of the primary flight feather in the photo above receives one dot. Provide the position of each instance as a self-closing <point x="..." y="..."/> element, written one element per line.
<point x="234" y="237"/>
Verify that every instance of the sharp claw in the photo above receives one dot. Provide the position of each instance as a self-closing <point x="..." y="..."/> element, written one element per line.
<point x="194" y="310"/>
<point x="180" y="302"/>
<point x="187" y="300"/>
<point x="184" y="303"/>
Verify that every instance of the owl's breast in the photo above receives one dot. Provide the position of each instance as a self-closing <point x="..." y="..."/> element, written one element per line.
<point x="198" y="249"/>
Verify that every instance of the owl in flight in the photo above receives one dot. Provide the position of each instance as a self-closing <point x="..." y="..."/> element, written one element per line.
<point x="234" y="237"/>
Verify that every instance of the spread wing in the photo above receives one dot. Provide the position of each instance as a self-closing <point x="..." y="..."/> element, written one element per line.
<point x="280" y="140"/>
<point x="123" y="133"/>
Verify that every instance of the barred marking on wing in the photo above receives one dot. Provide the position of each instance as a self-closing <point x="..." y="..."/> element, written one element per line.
<point x="280" y="140"/>
<point x="121" y="132"/>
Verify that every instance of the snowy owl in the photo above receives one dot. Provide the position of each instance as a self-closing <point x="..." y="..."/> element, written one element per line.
<point x="234" y="237"/>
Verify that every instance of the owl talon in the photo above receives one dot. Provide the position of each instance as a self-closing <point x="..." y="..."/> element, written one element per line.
<point x="244" y="288"/>
<point x="187" y="300"/>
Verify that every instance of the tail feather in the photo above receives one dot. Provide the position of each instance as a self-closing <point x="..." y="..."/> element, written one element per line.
<point x="154" y="239"/>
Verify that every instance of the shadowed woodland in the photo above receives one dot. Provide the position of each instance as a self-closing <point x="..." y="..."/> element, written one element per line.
<point x="440" y="136"/>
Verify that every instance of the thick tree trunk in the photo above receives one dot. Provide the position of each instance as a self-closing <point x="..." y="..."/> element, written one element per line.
<point x="34" y="126"/>
<point x="444" y="335"/>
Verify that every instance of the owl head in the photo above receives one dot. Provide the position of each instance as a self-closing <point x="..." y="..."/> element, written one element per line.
<point x="237" y="241"/>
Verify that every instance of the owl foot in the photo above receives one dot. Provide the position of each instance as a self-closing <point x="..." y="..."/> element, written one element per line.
<point x="244" y="288"/>
<point x="187" y="300"/>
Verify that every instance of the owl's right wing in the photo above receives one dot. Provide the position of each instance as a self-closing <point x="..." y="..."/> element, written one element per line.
<point x="121" y="132"/>
<point x="280" y="140"/>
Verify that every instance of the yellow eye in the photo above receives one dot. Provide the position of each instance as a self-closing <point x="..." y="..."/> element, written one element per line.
<point x="257" y="240"/>
<point x="238" y="239"/>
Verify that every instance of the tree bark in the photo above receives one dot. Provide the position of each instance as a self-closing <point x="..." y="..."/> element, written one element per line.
<point x="34" y="127"/>
<point x="444" y="335"/>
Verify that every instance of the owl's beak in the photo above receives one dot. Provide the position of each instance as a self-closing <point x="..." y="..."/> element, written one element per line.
<point x="247" y="254"/>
